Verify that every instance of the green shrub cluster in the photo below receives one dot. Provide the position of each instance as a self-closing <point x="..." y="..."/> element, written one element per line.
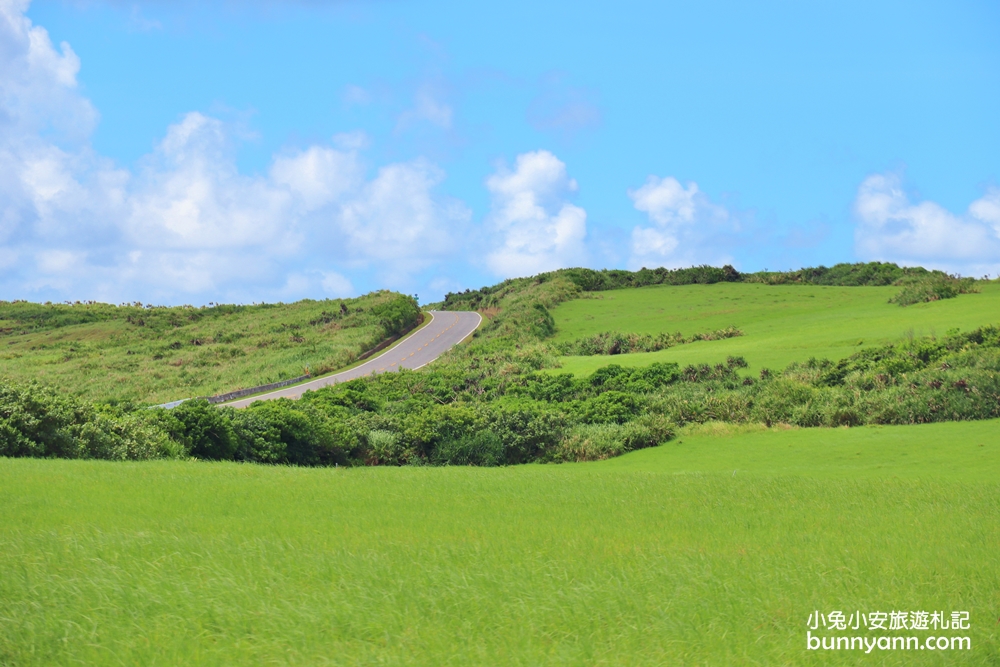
<point x="932" y="287"/>
<point x="36" y="421"/>
<point x="870" y="274"/>
<point x="925" y="380"/>
<point x="617" y="342"/>
<point x="467" y="417"/>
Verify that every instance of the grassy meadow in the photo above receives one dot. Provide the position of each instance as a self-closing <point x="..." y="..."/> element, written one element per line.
<point x="781" y="323"/>
<point x="659" y="557"/>
<point x="150" y="354"/>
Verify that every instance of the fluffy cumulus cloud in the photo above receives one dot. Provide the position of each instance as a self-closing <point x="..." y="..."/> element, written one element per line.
<point x="185" y="222"/>
<point x="687" y="227"/>
<point x="535" y="228"/>
<point x="891" y="227"/>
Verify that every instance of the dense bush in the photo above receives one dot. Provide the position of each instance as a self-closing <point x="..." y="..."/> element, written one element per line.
<point x="593" y="442"/>
<point x="932" y="287"/>
<point x="306" y="435"/>
<point x="206" y="433"/>
<point x="871" y="274"/>
<point x="36" y="421"/>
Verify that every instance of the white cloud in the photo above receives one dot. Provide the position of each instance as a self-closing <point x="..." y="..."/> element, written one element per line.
<point x="140" y="23"/>
<point x="185" y="222"/>
<point x="892" y="228"/>
<point x="688" y="228"/>
<point x="318" y="175"/>
<point x="37" y="82"/>
<point x="537" y="229"/>
<point x="351" y="141"/>
<point x="987" y="209"/>
<point x="190" y="196"/>
<point x="397" y="222"/>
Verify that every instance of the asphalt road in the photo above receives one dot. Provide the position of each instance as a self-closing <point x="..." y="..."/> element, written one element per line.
<point x="420" y="348"/>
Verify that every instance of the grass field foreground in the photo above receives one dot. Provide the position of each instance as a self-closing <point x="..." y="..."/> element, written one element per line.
<point x="781" y="323"/>
<point x="660" y="557"/>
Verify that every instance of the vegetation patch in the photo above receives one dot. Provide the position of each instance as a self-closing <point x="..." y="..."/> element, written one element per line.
<point x="616" y="342"/>
<point x="932" y="287"/>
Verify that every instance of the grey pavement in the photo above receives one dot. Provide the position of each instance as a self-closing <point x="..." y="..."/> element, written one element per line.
<point x="446" y="329"/>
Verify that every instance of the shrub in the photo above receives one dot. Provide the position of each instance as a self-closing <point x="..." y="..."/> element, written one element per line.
<point x="483" y="448"/>
<point x="527" y="429"/>
<point x="125" y="437"/>
<point x="593" y="442"/>
<point x="610" y="407"/>
<point x="617" y="342"/>
<point x="932" y="287"/>
<point x="426" y="428"/>
<point x="257" y="439"/>
<point x="647" y="431"/>
<point x="208" y="433"/>
<point x="397" y="314"/>
<point x="309" y="439"/>
<point x="35" y="421"/>
<point x="385" y="448"/>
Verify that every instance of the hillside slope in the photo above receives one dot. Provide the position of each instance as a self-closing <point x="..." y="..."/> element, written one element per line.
<point x="780" y="323"/>
<point x="155" y="354"/>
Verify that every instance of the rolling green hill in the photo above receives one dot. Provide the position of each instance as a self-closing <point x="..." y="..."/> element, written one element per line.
<point x="781" y="323"/>
<point x="153" y="354"/>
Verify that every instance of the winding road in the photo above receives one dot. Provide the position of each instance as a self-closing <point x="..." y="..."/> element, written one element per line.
<point x="446" y="329"/>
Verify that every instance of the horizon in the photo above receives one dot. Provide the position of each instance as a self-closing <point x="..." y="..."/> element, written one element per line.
<point x="457" y="292"/>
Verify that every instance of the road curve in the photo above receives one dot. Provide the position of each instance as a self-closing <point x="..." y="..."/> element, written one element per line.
<point x="446" y="329"/>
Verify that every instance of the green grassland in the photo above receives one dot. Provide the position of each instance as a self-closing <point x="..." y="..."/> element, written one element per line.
<point x="104" y="352"/>
<point x="660" y="557"/>
<point x="781" y="323"/>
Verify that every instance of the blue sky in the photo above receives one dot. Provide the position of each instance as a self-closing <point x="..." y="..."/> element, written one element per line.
<point x="252" y="151"/>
